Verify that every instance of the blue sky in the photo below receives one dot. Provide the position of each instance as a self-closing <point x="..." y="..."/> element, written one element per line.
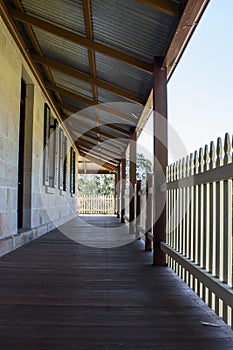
<point x="200" y="92"/>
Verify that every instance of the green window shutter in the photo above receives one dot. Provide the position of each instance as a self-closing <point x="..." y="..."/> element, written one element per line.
<point x="61" y="159"/>
<point x="46" y="145"/>
<point x="72" y="170"/>
<point x="65" y="172"/>
<point x="56" y="154"/>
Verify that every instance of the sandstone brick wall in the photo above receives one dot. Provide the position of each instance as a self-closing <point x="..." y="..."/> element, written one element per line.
<point x="43" y="207"/>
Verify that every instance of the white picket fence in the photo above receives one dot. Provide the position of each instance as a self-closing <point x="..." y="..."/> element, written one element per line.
<point x="96" y="205"/>
<point x="199" y="225"/>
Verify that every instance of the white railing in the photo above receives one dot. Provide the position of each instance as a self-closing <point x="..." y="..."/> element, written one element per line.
<point x="199" y="224"/>
<point x="96" y="205"/>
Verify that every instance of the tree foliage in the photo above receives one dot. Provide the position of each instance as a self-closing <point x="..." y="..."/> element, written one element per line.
<point x="143" y="167"/>
<point x="96" y="184"/>
<point x="103" y="184"/>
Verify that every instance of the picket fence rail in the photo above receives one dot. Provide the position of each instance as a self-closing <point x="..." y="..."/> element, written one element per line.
<point x="96" y="204"/>
<point x="199" y="224"/>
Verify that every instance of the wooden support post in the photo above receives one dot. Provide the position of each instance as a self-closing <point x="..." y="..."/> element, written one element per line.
<point x="123" y="179"/>
<point x="132" y="172"/>
<point x="160" y="155"/>
<point x="118" y="192"/>
<point x="138" y="206"/>
<point x="115" y="193"/>
<point x="149" y="199"/>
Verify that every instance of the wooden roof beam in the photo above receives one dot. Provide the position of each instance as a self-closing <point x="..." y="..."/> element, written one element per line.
<point x="70" y="94"/>
<point x="108" y="135"/>
<point x="186" y="27"/>
<point x="105" y="157"/>
<point x="130" y="120"/>
<point x="80" y="40"/>
<point x="98" y="161"/>
<point x="104" y="147"/>
<point x="89" y="34"/>
<point x="36" y="46"/>
<point x="78" y="125"/>
<point x="167" y="7"/>
<point x="48" y="62"/>
<point x="98" y="139"/>
<point x="112" y="126"/>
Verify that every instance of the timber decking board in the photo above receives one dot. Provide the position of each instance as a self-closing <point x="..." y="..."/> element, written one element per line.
<point x="58" y="294"/>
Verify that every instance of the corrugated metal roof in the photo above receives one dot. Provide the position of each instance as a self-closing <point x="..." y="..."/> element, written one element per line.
<point x="137" y="31"/>
<point x="123" y="75"/>
<point x="63" y="50"/>
<point x="131" y="27"/>
<point x="72" y="84"/>
<point x="108" y="96"/>
<point x="74" y="103"/>
<point x="64" y="13"/>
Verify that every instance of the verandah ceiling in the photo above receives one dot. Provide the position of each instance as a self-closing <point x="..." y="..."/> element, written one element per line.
<point x="95" y="60"/>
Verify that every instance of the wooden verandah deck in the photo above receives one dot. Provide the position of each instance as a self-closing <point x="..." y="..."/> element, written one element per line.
<point x="58" y="294"/>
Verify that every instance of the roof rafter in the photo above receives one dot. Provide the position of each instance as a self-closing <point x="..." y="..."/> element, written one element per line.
<point x="80" y="40"/>
<point x="89" y="34"/>
<point x="35" y="44"/>
<point x="130" y="121"/>
<point x="100" y="132"/>
<point x="104" y="147"/>
<point x="105" y="157"/>
<point x="98" y="161"/>
<point x="69" y="94"/>
<point x="108" y="135"/>
<point x="48" y="62"/>
<point x="113" y="126"/>
<point x="165" y="6"/>
<point x="80" y="125"/>
<point x="98" y="139"/>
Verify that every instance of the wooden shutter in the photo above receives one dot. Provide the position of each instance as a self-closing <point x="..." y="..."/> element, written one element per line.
<point x="72" y="170"/>
<point x="46" y="145"/>
<point x="61" y="159"/>
<point x="65" y="172"/>
<point x="54" y="154"/>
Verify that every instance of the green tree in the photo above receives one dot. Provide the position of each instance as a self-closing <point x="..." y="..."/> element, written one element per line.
<point x="103" y="184"/>
<point x="143" y="167"/>
<point x="96" y="184"/>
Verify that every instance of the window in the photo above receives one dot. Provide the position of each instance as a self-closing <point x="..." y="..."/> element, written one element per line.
<point x="72" y="170"/>
<point x="62" y="160"/>
<point x="53" y="153"/>
<point x="51" y="150"/>
<point x="46" y="145"/>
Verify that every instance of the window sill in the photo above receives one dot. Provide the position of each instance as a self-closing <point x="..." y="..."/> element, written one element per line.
<point x="50" y="190"/>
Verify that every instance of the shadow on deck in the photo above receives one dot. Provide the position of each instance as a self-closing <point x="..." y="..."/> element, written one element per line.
<point x="58" y="294"/>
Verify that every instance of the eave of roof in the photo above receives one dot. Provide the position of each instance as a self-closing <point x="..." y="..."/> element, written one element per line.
<point x="72" y="85"/>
